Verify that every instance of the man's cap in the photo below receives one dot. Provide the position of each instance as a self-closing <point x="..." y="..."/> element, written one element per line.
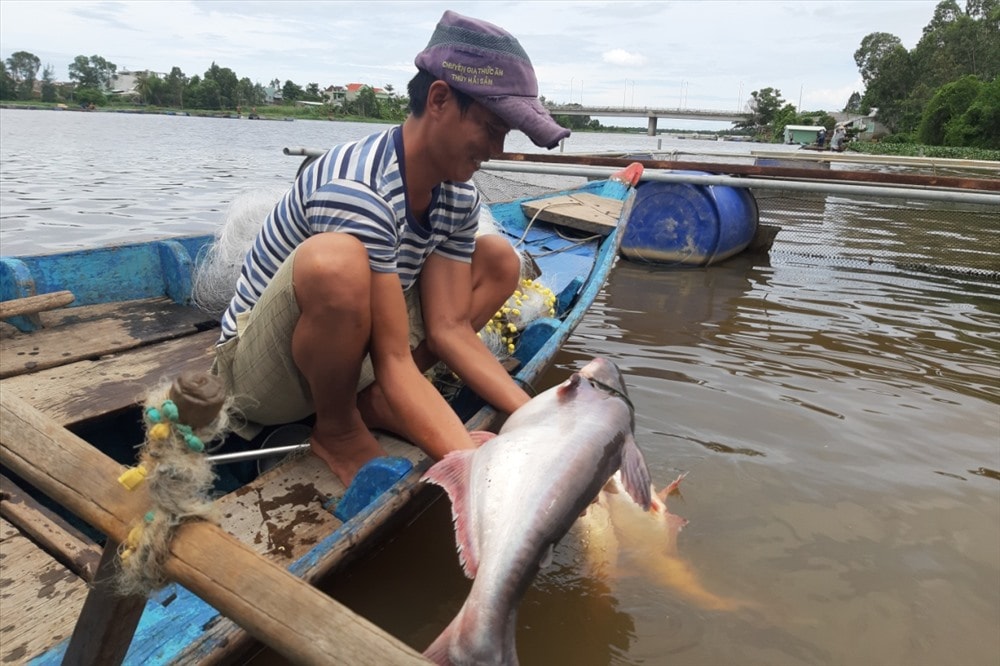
<point x="488" y="64"/>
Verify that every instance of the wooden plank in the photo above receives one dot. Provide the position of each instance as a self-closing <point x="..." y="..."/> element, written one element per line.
<point x="296" y="620"/>
<point x="130" y="325"/>
<point x="40" y="598"/>
<point x="582" y="211"/>
<point x="51" y="532"/>
<point x="35" y="304"/>
<point x="79" y="391"/>
<point x="107" y="621"/>
<point x="921" y="180"/>
<point x="287" y="510"/>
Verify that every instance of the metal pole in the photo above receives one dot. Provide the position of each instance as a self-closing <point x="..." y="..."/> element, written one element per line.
<point x="758" y="183"/>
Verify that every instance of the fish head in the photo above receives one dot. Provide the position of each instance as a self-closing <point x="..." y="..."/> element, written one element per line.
<point x="606" y="374"/>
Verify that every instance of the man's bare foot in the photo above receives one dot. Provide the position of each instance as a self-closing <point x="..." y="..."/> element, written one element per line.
<point x="345" y="453"/>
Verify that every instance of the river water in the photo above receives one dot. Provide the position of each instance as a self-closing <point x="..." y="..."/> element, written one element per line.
<point x="836" y="411"/>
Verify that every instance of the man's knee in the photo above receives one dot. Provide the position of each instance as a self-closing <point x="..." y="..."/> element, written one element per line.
<point x="496" y="259"/>
<point x="331" y="268"/>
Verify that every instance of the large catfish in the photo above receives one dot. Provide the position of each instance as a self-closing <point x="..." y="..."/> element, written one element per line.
<point x="515" y="496"/>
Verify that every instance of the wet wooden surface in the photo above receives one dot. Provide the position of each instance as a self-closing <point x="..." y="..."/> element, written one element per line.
<point x="40" y="598"/>
<point x="96" y="361"/>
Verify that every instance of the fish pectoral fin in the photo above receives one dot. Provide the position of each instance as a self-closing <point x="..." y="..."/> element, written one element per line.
<point x="547" y="556"/>
<point x="635" y="474"/>
<point x="452" y="474"/>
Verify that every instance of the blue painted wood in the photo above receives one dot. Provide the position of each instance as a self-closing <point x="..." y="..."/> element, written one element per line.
<point x="109" y="274"/>
<point x="174" y="621"/>
<point x="16" y="281"/>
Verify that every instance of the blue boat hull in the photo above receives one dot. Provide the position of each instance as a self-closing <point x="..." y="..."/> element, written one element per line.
<point x="680" y="224"/>
<point x="178" y="626"/>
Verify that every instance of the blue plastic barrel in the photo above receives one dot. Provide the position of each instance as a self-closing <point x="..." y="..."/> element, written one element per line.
<point x="689" y="225"/>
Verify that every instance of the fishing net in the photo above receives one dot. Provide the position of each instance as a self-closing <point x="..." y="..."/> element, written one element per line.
<point x="925" y="236"/>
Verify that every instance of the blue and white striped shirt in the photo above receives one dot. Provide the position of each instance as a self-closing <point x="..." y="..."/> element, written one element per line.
<point x="359" y="188"/>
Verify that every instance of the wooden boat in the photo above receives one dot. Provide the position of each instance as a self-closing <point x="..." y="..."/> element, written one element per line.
<point x="71" y="379"/>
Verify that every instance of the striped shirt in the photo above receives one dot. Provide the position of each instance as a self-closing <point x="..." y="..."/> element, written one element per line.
<point x="359" y="188"/>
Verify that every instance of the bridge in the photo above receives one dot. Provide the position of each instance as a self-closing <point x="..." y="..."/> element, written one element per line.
<point x="644" y="112"/>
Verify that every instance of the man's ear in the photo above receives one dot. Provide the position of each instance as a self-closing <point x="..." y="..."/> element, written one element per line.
<point x="438" y="97"/>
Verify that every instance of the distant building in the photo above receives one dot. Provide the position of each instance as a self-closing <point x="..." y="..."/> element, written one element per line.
<point x="273" y="95"/>
<point x="353" y="89"/>
<point x="126" y="82"/>
<point x="335" y="95"/>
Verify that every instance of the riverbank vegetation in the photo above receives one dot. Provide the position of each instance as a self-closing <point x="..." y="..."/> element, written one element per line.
<point x="942" y="94"/>
<point x="945" y="92"/>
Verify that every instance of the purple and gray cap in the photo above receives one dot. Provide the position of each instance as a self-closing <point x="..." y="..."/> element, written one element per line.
<point x="488" y="64"/>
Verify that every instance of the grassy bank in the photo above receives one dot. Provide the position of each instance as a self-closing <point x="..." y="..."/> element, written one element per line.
<point x="921" y="150"/>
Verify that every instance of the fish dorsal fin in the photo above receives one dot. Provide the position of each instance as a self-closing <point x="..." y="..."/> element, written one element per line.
<point x="567" y="389"/>
<point x="452" y="474"/>
<point x="635" y="474"/>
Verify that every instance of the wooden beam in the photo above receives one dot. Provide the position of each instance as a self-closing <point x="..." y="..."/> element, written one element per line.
<point x="107" y="621"/>
<point x="921" y="180"/>
<point x="34" y="304"/>
<point x="50" y="531"/>
<point x="295" y="619"/>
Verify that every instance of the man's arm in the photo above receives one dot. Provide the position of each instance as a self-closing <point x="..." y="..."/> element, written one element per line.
<point x="446" y="298"/>
<point x="428" y="419"/>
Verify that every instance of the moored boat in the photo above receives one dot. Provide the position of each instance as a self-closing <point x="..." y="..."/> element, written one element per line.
<point x="86" y="368"/>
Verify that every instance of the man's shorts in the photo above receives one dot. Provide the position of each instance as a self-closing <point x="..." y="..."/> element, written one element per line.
<point x="257" y="365"/>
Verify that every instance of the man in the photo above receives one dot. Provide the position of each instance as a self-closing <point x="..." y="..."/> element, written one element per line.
<point x="376" y="241"/>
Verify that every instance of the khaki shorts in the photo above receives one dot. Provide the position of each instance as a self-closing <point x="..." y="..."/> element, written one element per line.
<point x="257" y="365"/>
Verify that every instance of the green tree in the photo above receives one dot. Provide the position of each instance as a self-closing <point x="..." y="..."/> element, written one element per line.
<point x="949" y="102"/>
<point x="312" y="93"/>
<point x="368" y="104"/>
<point x="853" y="103"/>
<point x="291" y="91"/>
<point x="8" y="89"/>
<point x="228" y="86"/>
<point x="23" y="67"/>
<point x="886" y="69"/>
<point x="979" y="126"/>
<point x="49" y="85"/>
<point x="88" y="96"/>
<point x="763" y="108"/>
<point x="93" y="72"/>
<point x="175" y="84"/>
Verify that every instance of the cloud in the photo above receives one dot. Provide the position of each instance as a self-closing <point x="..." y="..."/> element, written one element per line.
<point x="623" y="57"/>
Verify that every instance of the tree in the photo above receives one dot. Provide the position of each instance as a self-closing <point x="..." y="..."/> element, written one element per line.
<point x="23" y="67"/>
<point x="949" y="102"/>
<point x="367" y="103"/>
<point x="93" y="72"/>
<point x="885" y="67"/>
<point x="174" y="84"/>
<point x="979" y="126"/>
<point x="853" y="103"/>
<point x="763" y="107"/>
<point x="8" y="88"/>
<point x="291" y="91"/>
<point x="228" y="85"/>
<point x="48" y="85"/>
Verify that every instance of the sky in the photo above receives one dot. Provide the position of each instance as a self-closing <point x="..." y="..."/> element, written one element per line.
<point x="705" y="54"/>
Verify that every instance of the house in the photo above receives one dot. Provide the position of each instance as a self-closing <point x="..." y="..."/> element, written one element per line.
<point x="126" y="81"/>
<point x="273" y="95"/>
<point x="335" y="95"/>
<point x="353" y="89"/>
